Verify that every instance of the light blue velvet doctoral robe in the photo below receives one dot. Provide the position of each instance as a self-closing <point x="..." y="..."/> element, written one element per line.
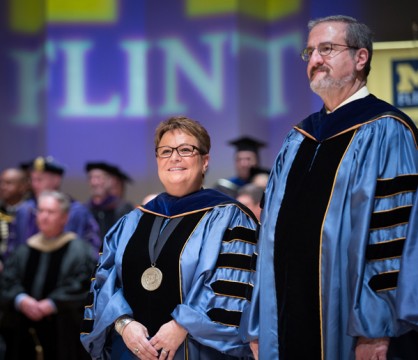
<point x="199" y="268"/>
<point x="360" y="294"/>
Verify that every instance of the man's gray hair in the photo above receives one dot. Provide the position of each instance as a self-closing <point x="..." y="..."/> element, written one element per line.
<point x="62" y="198"/>
<point x="358" y="35"/>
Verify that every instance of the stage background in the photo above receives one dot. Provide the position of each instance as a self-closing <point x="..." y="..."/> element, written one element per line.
<point x="90" y="80"/>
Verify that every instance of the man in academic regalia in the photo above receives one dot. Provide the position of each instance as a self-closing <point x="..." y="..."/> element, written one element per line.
<point x="105" y="206"/>
<point x="44" y="285"/>
<point x="338" y="248"/>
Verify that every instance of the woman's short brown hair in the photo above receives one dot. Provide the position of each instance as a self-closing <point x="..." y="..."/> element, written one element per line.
<point x="189" y="126"/>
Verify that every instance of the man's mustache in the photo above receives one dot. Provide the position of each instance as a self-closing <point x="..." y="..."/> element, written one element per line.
<point x="318" y="68"/>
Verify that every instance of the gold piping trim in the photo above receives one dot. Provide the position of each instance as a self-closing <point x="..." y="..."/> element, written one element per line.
<point x="394" y="194"/>
<point x="236" y="239"/>
<point x="388" y="227"/>
<point x="385" y="258"/>
<point x="387" y="289"/>
<point x="359" y="125"/>
<point x="389" y="241"/>
<point x="392" y="209"/>
<point x="140" y="207"/>
<point x="387" y="272"/>
<point x="398" y="176"/>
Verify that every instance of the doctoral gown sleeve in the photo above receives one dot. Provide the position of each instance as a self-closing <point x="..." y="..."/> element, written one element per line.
<point x="407" y="300"/>
<point x="106" y="301"/>
<point x="382" y="245"/>
<point x="215" y="288"/>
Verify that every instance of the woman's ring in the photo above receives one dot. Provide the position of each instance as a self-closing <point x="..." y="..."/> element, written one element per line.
<point x="136" y="350"/>
<point x="164" y="351"/>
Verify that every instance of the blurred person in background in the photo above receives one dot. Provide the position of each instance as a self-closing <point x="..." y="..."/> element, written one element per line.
<point x="46" y="174"/>
<point x="120" y="180"/>
<point x="105" y="206"/>
<point x="44" y="285"/>
<point x="250" y="195"/>
<point x="246" y="157"/>
<point x="14" y="189"/>
<point x="259" y="176"/>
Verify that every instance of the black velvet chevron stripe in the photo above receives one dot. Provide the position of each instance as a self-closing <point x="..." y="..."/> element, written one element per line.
<point x="89" y="299"/>
<point x="390" y="218"/>
<point x="240" y="233"/>
<point x="230" y="288"/>
<point x="249" y="294"/>
<point x="226" y="317"/>
<point x="385" y="281"/>
<point x="390" y="187"/>
<point x="254" y="262"/>
<point x="86" y="326"/>
<point x="385" y="250"/>
<point x="234" y="261"/>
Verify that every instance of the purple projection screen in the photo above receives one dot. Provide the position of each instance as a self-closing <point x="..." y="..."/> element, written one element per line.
<point x="91" y="83"/>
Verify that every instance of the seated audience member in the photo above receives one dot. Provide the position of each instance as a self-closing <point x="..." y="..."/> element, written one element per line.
<point x="106" y="207"/>
<point x="14" y="187"/>
<point x="250" y="195"/>
<point x="47" y="174"/>
<point x="44" y="285"/>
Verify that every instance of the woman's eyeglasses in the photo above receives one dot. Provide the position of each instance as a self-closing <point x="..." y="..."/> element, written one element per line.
<point x="184" y="150"/>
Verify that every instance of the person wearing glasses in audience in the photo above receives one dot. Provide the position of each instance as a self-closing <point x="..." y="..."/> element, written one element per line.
<point x="174" y="275"/>
<point x="336" y="274"/>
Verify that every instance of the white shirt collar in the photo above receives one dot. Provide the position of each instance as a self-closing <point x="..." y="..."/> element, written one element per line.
<point x="360" y="94"/>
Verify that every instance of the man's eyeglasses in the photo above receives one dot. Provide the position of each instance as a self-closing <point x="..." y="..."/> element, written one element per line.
<point x="324" y="49"/>
<point x="184" y="150"/>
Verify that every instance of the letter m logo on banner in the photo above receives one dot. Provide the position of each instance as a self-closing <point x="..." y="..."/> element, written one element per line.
<point x="405" y="83"/>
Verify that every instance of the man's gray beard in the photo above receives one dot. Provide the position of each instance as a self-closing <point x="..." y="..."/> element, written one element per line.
<point x="328" y="84"/>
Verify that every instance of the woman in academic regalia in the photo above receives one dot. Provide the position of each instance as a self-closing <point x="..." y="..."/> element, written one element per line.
<point x="174" y="276"/>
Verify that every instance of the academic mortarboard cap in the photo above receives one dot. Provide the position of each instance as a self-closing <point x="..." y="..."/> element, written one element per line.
<point x="26" y="165"/>
<point x="247" y="143"/>
<point x="47" y="164"/>
<point x="124" y="177"/>
<point x="110" y="169"/>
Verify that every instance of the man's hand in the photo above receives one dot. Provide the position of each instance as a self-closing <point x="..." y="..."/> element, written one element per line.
<point x="46" y="307"/>
<point x="372" y="349"/>
<point x="254" y="348"/>
<point x="29" y="307"/>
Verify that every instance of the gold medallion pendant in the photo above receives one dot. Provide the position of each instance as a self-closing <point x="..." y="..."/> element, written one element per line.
<point x="151" y="278"/>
